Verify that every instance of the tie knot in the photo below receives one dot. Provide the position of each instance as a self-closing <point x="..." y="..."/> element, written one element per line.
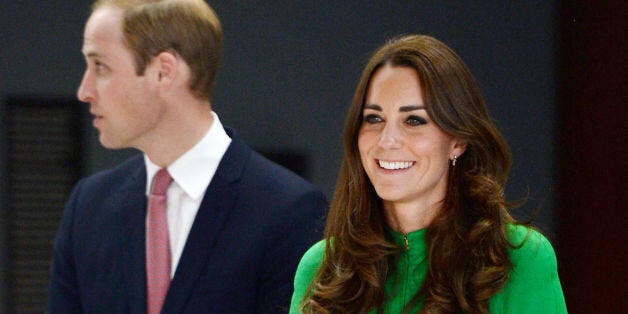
<point x="161" y="181"/>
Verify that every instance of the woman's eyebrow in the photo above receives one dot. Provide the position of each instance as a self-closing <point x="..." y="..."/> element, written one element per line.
<point x="373" y="107"/>
<point x="410" y="108"/>
<point x="401" y="109"/>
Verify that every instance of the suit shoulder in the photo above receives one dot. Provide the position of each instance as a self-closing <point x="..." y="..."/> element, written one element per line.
<point x="275" y="176"/>
<point x="133" y="165"/>
<point x="242" y="162"/>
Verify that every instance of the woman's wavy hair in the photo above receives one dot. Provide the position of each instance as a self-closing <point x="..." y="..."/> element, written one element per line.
<point x="466" y="242"/>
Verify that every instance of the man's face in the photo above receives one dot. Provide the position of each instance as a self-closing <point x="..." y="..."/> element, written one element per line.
<point x="123" y="104"/>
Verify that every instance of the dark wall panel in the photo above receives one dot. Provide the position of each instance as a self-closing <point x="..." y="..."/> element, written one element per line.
<point x="44" y="162"/>
<point x="591" y="161"/>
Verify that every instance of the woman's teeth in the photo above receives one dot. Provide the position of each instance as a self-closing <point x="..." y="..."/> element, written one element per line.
<point x="395" y="165"/>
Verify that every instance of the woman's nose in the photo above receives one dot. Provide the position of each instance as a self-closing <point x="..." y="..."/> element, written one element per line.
<point x="390" y="137"/>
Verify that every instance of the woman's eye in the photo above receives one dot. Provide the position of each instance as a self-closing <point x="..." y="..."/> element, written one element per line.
<point x="415" y="121"/>
<point x="372" y="119"/>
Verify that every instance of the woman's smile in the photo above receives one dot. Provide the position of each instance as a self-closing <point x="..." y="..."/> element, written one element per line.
<point x="395" y="165"/>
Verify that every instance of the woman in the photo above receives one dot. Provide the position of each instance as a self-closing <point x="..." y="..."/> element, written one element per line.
<point x="419" y="222"/>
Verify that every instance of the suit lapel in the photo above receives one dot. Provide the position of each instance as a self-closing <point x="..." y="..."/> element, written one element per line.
<point x="133" y="208"/>
<point x="212" y="215"/>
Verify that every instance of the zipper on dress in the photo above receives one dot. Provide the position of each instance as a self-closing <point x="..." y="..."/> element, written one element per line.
<point x="407" y="269"/>
<point x="405" y="241"/>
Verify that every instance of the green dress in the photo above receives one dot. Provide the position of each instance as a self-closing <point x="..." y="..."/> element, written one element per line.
<point x="533" y="286"/>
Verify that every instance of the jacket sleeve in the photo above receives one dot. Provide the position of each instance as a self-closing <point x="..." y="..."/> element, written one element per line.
<point x="534" y="286"/>
<point x="63" y="294"/>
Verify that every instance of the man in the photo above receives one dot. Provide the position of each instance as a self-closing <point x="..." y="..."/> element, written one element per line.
<point x="222" y="229"/>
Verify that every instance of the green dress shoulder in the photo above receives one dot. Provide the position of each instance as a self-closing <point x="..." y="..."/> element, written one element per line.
<point x="533" y="286"/>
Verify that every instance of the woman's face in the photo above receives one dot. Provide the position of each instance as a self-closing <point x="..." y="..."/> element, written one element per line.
<point x="404" y="153"/>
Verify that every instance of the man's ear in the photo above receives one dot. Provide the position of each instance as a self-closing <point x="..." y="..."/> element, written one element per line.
<point x="166" y="63"/>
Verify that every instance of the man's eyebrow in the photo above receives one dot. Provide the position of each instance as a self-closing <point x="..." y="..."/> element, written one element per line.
<point x="92" y="54"/>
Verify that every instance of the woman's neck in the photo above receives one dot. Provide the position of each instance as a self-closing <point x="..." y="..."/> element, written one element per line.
<point x="407" y="217"/>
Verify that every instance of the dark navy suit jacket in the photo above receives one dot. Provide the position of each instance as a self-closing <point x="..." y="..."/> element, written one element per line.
<point x="254" y="223"/>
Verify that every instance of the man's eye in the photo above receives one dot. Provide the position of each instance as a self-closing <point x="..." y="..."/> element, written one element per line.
<point x="372" y="119"/>
<point x="100" y="68"/>
<point x="415" y="121"/>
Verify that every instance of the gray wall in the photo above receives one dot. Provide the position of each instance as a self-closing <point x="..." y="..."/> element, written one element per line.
<point x="291" y="66"/>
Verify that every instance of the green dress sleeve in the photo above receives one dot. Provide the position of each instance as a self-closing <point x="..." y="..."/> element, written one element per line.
<point x="533" y="286"/>
<point x="307" y="269"/>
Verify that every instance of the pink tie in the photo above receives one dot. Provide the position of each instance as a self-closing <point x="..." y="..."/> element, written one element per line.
<point x="157" y="243"/>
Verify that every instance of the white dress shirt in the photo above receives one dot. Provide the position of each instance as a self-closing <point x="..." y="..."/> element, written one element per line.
<point x="191" y="174"/>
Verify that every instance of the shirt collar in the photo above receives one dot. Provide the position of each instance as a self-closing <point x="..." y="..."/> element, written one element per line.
<point x="193" y="170"/>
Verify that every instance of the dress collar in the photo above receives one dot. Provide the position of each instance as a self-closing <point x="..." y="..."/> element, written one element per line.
<point x="414" y="242"/>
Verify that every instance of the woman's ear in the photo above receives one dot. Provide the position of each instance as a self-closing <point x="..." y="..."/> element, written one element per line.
<point x="459" y="147"/>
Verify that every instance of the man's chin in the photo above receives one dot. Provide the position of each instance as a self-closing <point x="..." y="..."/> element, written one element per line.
<point x="109" y="143"/>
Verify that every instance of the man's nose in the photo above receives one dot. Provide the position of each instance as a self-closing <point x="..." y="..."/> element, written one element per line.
<point x="85" y="91"/>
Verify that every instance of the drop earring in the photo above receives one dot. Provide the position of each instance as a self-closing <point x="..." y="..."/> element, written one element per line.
<point x="453" y="161"/>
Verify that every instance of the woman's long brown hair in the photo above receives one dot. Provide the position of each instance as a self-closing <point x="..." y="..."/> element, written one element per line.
<point x="466" y="242"/>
